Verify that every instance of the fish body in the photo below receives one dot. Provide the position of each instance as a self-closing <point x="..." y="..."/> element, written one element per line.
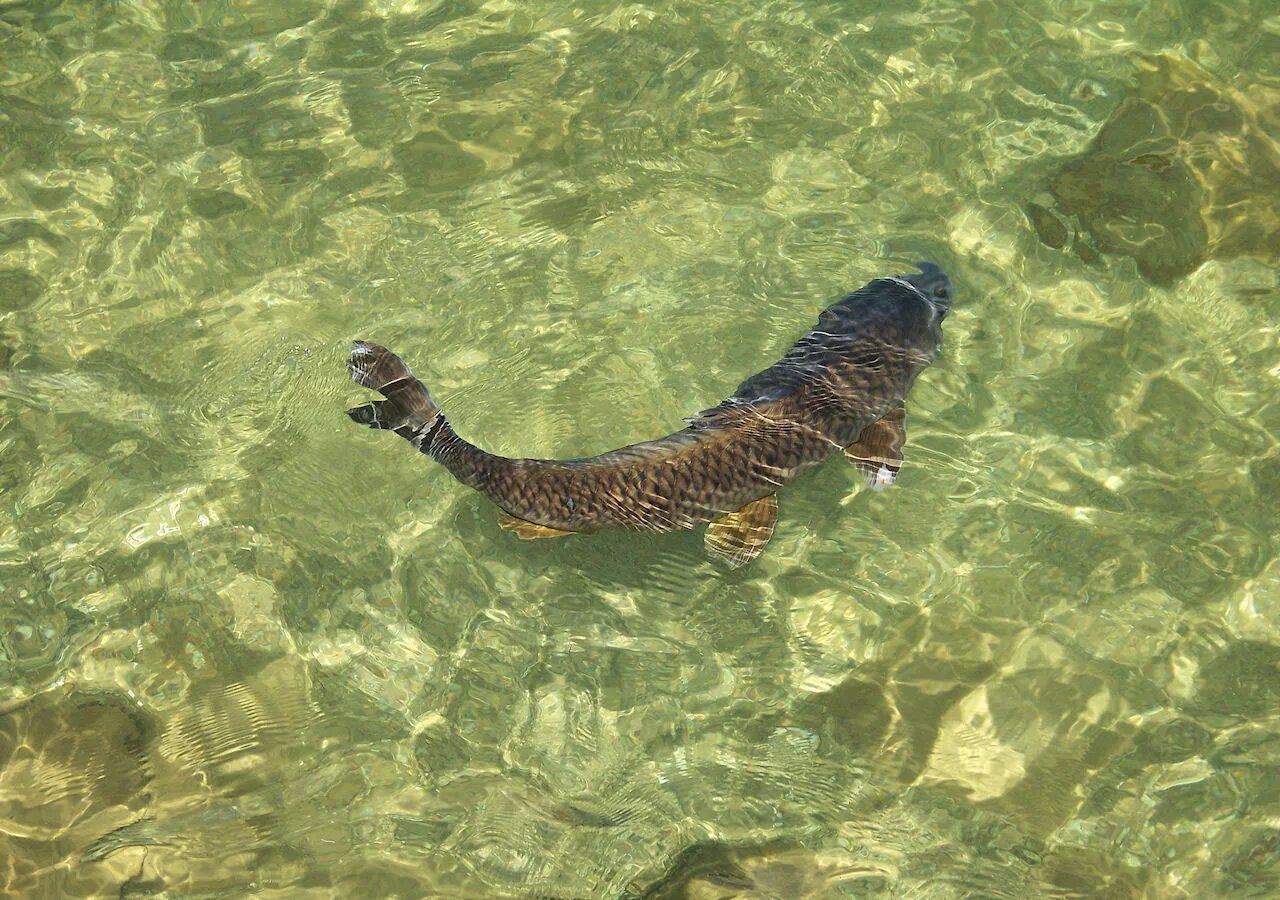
<point x="839" y="390"/>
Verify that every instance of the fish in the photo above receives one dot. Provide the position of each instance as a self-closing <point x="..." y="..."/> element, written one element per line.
<point x="841" y="390"/>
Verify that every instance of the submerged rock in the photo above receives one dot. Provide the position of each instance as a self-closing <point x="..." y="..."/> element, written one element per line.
<point x="712" y="870"/>
<point x="1186" y="169"/>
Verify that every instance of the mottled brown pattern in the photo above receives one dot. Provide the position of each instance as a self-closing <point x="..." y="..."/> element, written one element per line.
<point x="853" y="368"/>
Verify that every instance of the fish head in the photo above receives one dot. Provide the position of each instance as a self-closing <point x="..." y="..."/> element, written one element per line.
<point x="904" y="310"/>
<point x="934" y="285"/>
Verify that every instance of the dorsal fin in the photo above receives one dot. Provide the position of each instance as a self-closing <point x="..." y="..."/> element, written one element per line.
<point x="735" y="409"/>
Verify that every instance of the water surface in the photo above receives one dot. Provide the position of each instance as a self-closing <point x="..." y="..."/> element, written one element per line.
<point x="246" y="649"/>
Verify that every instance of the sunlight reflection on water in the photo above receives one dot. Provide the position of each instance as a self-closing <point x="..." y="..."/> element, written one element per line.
<point x="246" y="649"/>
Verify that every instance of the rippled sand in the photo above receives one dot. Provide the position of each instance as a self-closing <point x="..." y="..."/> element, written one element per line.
<point x="244" y="649"/>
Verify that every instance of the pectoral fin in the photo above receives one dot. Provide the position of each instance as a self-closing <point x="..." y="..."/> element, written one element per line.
<point x="529" y="531"/>
<point x="877" y="452"/>
<point x="738" y="537"/>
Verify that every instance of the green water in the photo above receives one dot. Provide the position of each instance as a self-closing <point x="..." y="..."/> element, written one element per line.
<point x="247" y="647"/>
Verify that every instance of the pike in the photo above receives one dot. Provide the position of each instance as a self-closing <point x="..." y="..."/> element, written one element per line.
<point x="841" y="389"/>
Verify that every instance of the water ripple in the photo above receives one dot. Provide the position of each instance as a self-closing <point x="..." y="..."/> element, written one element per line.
<point x="239" y="635"/>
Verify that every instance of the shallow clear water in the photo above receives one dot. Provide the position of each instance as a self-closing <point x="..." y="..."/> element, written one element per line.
<point x="249" y="647"/>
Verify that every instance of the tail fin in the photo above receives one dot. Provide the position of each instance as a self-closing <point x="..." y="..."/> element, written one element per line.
<point x="408" y="409"/>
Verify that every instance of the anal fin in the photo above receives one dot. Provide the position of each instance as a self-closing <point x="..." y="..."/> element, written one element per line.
<point x="877" y="453"/>
<point x="528" y="531"/>
<point x="738" y="537"/>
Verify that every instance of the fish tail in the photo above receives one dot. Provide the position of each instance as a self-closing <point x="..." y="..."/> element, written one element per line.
<point x="408" y="408"/>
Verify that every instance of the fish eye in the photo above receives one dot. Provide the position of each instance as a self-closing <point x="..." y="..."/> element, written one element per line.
<point x="942" y="292"/>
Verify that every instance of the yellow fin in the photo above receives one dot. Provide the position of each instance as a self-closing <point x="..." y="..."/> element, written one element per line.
<point x="738" y="537"/>
<point x="877" y="453"/>
<point x="528" y="531"/>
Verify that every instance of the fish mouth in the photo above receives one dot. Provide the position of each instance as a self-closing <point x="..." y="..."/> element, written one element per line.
<point x="933" y="284"/>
